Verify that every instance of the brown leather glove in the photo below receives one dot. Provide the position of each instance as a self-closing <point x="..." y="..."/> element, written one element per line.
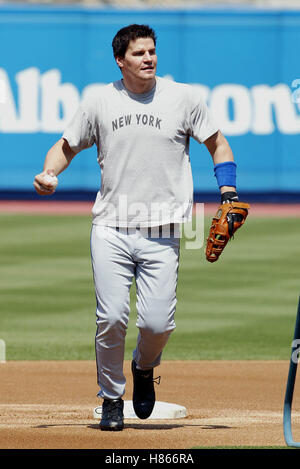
<point x="230" y="216"/>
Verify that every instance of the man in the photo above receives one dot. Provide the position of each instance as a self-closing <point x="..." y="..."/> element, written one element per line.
<point x="141" y="126"/>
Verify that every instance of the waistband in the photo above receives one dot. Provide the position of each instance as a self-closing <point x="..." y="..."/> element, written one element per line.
<point x="162" y="231"/>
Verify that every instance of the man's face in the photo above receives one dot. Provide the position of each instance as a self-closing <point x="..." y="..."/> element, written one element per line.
<point x="139" y="63"/>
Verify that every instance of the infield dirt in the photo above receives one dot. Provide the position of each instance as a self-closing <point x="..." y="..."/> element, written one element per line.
<point x="239" y="403"/>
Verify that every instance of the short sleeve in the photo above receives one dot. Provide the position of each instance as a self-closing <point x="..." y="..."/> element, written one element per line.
<point x="80" y="133"/>
<point x="202" y="125"/>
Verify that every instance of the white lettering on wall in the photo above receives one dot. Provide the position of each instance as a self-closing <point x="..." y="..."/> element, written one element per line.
<point x="57" y="97"/>
<point x="43" y="103"/>
<point x="28" y="86"/>
<point x="24" y="118"/>
<point x="267" y="99"/>
<point x="242" y="109"/>
<point x="2" y="91"/>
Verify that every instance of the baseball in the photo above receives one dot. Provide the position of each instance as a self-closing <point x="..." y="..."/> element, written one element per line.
<point x="52" y="180"/>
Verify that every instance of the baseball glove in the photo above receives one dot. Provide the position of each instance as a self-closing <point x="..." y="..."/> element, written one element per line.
<point x="230" y="217"/>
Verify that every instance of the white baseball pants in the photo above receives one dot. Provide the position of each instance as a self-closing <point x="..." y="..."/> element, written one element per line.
<point x="118" y="255"/>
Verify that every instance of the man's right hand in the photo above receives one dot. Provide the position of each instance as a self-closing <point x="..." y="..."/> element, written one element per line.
<point x="41" y="186"/>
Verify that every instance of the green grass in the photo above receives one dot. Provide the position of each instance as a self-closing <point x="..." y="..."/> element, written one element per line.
<point x="241" y="307"/>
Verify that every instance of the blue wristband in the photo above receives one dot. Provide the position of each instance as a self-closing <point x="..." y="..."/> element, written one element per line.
<point x="226" y="173"/>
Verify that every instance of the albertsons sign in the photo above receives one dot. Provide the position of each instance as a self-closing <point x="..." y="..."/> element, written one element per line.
<point x="46" y="104"/>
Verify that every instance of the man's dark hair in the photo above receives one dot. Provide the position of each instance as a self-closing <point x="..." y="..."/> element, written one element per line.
<point x="130" y="33"/>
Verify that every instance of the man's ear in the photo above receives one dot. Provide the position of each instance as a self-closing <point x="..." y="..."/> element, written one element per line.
<point x="119" y="61"/>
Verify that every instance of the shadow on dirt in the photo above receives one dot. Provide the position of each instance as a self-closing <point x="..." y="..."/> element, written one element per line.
<point x="140" y="426"/>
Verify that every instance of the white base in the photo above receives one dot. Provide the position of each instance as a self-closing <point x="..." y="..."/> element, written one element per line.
<point x="161" y="411"/>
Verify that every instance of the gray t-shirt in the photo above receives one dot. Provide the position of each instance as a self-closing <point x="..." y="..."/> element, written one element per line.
<point x="143" y="151"/>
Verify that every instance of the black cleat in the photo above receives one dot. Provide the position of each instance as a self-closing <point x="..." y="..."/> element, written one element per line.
<point x="112" y="415"/>
<point x="143" y="398"/>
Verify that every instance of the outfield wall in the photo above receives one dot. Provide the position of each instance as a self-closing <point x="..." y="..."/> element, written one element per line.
<point x="243" y="62"/>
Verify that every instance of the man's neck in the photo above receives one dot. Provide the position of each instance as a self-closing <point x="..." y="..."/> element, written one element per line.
<point x="139" y="87"/>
